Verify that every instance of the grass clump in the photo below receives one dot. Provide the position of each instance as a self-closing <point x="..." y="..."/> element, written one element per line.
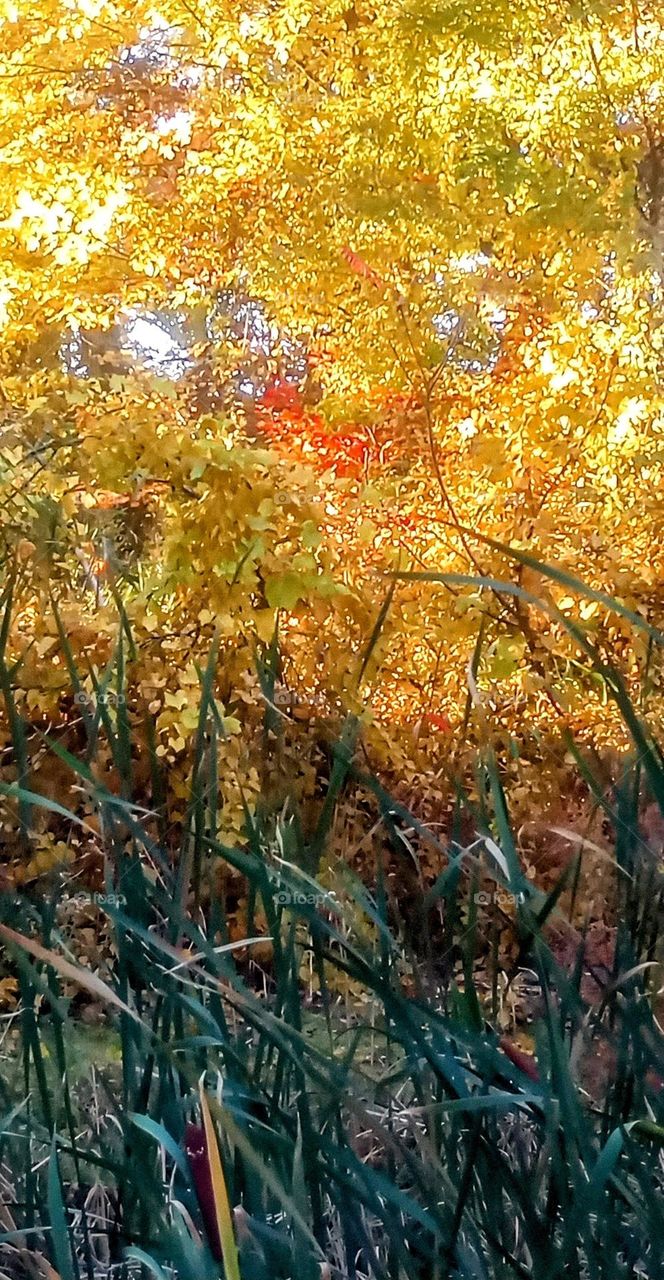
<point x="228" y="1116"/>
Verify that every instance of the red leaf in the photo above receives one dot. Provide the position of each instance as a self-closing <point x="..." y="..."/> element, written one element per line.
<point x="280" y="395"/>
<point x="361" y="268"/>
<point x="438" y="720"/>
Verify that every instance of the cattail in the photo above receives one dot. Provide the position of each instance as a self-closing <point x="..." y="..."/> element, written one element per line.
<point x="197" y="1154"/>
<point x="524" y="1061"/>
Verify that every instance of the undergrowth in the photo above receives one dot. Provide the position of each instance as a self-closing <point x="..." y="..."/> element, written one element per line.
<point x="346" y="1107"/>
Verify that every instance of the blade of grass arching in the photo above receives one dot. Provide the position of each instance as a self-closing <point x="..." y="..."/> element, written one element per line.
<point x="647" y="750"/>
<point x="588" y="1198"/>
<point x="517" y="882"/>
<point x="222" y="1208"/>
<point x="188" y="1258"/>
<point x="74" y="973"/>
<point x="56" y="1023"/>
<point x="134" y="1254"/>
<point x="161" y="1135"/>
<point x="80" y="697"/>
<point x="533" y="916"/>
<point x="268" y="670"/>
<point x="389" y="804"/>
<point x="402" y="846"/>
<point x="16" y="726"/>
<point x="270" y="1182"/>
<point x="465" y="1188"/>
<point x="168" y="1144"/>
<point x="12" y="790"/>
<point x="470" y="1002"/>
<point x="213" y="772"/>
<point x="308" y="1266"/>
<point x="473" y="669"/>
<point x="343" y="751"/>
<point x="596" y="787"/>
<point x="122" y="755"/>
<point x="573" y="1126"/>
<point x="642" y="739"/>
<point x="627" y="830"/>
<point x="479" y="1102"/>
<point x="550" y="571"/>
<point x="29" y="987"/>
<point x="63" y="1251"/>
<point x="185" y="968"/>
<point x="569" y="873"/>
<point x="157" y="783"/>
<point x="394" y="1206"/>
<point x="126" y="625"/>
<point x="376" y="633"/>
<point x="191" y="857"/>
<point x="569" y="580"/>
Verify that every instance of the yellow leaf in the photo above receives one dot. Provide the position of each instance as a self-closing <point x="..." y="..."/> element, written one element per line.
<point x="222" y="1206"/>
<point x="264" y="624"/>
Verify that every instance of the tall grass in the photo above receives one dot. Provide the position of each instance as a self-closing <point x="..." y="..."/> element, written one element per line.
<point x="225" y="1126"/>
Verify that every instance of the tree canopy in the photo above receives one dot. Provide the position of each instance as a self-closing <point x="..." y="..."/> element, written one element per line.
<point x="294" y="297"/>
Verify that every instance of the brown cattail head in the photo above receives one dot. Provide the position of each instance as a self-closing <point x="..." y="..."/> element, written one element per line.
<point x="524" y="1061"/>
<point x="197" y="1154"/>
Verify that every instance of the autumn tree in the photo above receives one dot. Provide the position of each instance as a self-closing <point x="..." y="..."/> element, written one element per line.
<point x="297" y="296"/>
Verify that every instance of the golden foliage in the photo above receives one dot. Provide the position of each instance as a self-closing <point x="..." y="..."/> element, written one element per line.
<point x="442" y="228"/>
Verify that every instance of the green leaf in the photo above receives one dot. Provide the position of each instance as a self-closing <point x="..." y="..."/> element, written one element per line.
<point x="310" y="535"/>
<point x="284" y="591"/>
